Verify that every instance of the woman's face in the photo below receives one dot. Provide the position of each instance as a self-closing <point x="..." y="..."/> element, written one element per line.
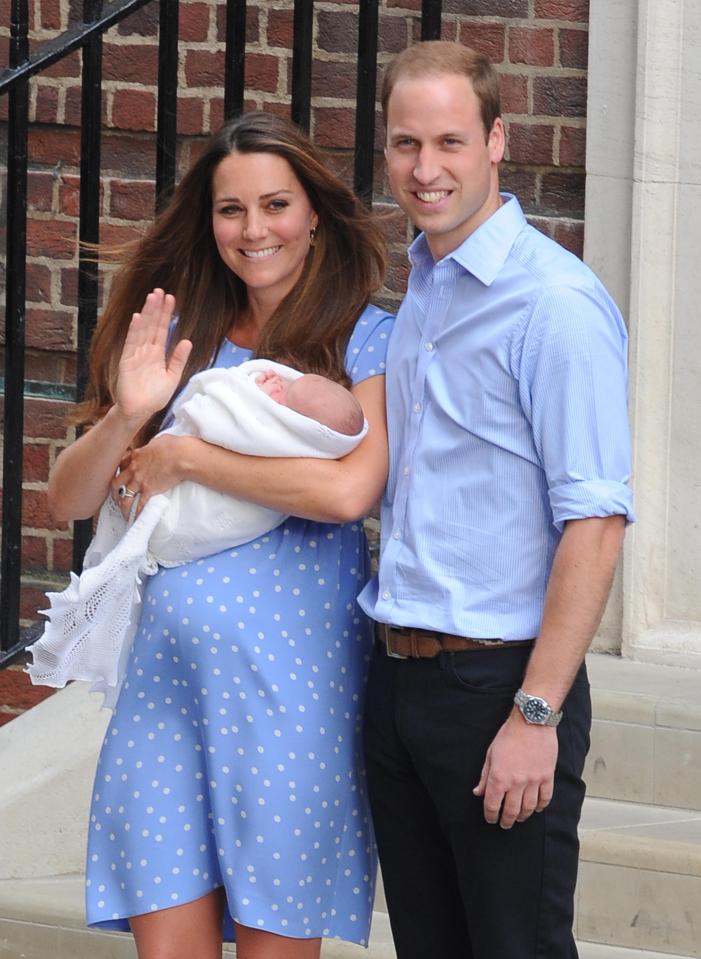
<point x="261" y="219"/>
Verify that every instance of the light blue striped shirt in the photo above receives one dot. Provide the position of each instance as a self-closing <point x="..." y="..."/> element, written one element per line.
<point x="506" y="393"/>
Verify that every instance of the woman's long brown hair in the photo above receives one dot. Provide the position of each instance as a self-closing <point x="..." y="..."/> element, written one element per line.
<point x="310" y="328"/>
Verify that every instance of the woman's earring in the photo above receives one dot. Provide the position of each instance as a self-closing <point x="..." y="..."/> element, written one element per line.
<point x="312" y="236"/>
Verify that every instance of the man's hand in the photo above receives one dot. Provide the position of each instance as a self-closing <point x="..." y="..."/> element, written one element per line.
<point x="518" y="772"/>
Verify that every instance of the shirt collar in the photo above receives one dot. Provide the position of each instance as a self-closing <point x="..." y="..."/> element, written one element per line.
<point x="484" y="252"/>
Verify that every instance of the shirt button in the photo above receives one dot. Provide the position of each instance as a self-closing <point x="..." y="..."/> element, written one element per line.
<point x="386" y="594"/>
<point x="406" y="470"/>
<point x="428" y="347"/>
<point x="397" y="534"/>
<point x="417" y="407"/>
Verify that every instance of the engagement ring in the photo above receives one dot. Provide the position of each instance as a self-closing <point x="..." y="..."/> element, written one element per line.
<point x="124" y="491"/>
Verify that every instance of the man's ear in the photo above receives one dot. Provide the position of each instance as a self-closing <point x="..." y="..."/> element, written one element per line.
<point x="496" y="142"/>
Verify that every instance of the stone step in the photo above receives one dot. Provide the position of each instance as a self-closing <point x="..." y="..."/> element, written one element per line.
<point x="44" y="918"/>
<point x="594" y="950"/>
<point x="640" y="877"/>
<point x="646" y="734"/>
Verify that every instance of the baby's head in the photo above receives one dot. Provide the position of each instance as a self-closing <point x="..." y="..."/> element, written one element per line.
<point x="318" y="398"/>
<point x="326" y="402"/>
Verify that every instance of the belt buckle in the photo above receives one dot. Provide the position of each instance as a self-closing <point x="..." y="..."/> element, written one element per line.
<point x="388" y="644"/>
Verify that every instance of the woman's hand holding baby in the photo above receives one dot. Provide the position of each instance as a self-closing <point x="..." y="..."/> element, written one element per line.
<point x="154" y="468"/>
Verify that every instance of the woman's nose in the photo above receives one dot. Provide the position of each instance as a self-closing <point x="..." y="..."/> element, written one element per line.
<point x="254" y="227"/>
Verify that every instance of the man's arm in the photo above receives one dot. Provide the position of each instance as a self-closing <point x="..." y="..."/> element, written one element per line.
<point x="518" y="773"/>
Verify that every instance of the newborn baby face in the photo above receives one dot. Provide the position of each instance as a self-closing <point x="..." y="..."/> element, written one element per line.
<point x="317" y="398"/>
<point x="274" y="385"/>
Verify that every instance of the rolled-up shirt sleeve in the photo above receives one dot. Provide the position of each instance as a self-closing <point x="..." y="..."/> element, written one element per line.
<point x="573" y="387"/>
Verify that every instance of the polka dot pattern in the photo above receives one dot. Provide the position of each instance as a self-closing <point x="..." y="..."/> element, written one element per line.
<point x="234" y="757"/>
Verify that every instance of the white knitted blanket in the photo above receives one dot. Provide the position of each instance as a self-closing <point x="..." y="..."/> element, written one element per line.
<point x="91" y="624"/>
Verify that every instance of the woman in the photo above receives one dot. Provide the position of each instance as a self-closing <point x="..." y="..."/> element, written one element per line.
<point x="229" y="788"/>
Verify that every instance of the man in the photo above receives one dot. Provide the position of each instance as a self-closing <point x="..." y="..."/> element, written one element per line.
<point x="501" y="528"/>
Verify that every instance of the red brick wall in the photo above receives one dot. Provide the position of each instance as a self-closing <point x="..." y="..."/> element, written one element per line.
<point x="540" y="45"/>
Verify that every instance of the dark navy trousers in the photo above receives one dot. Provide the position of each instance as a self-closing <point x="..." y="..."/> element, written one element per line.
<point x="457" y="887"/>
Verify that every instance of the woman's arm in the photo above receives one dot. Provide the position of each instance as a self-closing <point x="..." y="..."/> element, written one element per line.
<point x="81" y="476"/>
<point x="330" y="491"/>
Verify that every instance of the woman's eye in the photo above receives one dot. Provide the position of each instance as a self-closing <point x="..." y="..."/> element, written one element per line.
<point x="278" y="205"/>
<point x="229" y="210"/>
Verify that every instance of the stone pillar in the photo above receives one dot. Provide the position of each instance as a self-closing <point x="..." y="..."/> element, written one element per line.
<point x="609" y="189"/>
<point x="644" y="234"/>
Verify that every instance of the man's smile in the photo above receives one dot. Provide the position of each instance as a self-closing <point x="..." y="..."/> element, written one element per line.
<point x="432" y="196"/>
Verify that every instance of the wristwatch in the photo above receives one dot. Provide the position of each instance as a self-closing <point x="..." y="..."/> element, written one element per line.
<point x="536" y="710"/>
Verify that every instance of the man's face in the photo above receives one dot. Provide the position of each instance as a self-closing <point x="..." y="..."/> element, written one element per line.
<point x="442" y="166"/>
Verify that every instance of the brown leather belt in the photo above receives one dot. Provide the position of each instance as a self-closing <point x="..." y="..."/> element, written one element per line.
<point x="405" y="642"/>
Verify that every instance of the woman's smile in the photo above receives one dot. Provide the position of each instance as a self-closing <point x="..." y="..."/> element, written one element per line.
<point x="261" y="254"/>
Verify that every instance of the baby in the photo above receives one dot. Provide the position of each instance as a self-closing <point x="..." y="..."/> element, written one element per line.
<point x="316" y="397"/>
<point x="259" y="408"/>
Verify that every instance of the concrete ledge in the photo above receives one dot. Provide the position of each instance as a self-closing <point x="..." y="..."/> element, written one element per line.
<point x="642" y="837"/>
<point x="640" y="877"/>
<point x="48" y="757"/>
<point x="646" y="734"/>
<point x="594" y="950"/>
<point x="632" y="680"/>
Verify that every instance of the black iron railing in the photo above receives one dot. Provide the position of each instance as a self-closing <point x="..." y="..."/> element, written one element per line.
<point x="86" y="35"/>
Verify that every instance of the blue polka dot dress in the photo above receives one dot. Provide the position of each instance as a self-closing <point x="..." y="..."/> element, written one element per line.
<point x="233" y="757"/>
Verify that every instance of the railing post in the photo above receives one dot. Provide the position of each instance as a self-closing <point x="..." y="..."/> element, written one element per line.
<point x="302" y="63"/>
<point x="167" y="101"/>
<point x="15" y="316"/>
<point x="431" y="19"/>
<point x="365" y="100"/>
<point x="89" y="229"/>
<point x="234" y="57"/>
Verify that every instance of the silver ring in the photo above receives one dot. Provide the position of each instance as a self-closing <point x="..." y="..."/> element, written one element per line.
<point x="124" y="492"/>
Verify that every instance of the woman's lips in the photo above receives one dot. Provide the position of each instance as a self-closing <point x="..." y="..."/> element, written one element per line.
<point x="260" y="254"/>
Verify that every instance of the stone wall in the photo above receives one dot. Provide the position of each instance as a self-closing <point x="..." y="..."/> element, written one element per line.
<point x="643" y="210"/>
<point x="540" y="46"/>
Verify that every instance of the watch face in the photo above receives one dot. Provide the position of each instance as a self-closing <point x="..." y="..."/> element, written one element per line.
<point x="536" y="710"/>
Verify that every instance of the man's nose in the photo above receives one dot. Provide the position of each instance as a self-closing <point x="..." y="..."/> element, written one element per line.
<point x="426" y="168"/>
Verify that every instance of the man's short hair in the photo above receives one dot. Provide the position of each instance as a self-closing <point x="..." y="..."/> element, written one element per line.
<point x="432" y="58"/>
